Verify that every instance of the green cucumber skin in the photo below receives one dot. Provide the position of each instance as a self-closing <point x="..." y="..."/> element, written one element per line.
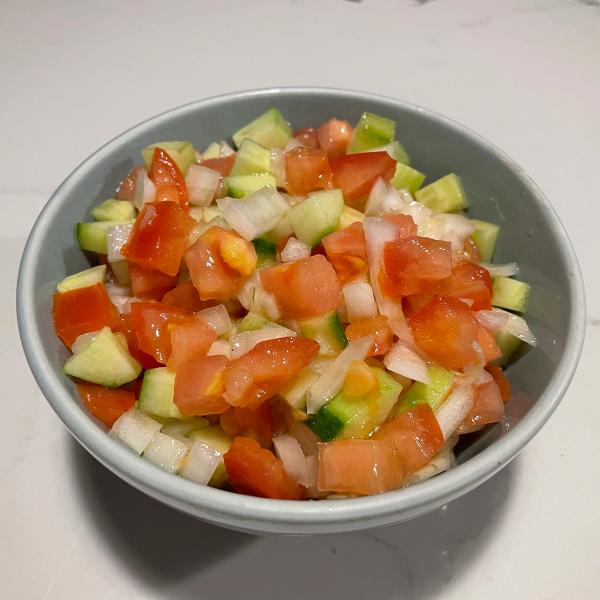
<point x="240" y="186"/>
<point x="338" y="330"/>
<point x="433" y="393"/>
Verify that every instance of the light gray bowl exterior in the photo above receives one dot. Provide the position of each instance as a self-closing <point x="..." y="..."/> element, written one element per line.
<point x="499" y="191"/>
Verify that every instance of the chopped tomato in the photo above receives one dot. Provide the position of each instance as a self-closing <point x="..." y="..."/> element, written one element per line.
<point x="355" y="174"/>
<point x="501" y="381"/>
<point x="168" y="179"/>
<point x="189" y="341"/>
<point x="333" y="136"/>
<point x="260" y="373"/>
<point x="415" y="435"/>
<point x="222" y="165"/>
<point x="255" y="423"/>
<point x="184" y="296"/>
<point x="149" y="284"/>
<point x="347" y="252"/>
<point x="83" y="310"/>
<point x="126" y="189"/>
<point x="404" y="225"/>
<point x="359" y="467"/>
<point x="258" y="472"/>
<point x="488" y="407"/>
<point x="126" y="328"/>
<point x="309" y="137"/>
<point x="219" y="263"/>
<point x="488" y="344"/>
<point x="411" y="304"/>
<point x="445" y="330"/>
<point x="471" y="282"/>
<point x="415" y="265"/>
<point x="469" y="252"/>
<point x="228" y="423"/>
<point x="151" y="322"/>
<point x="159" y="237"/>
<point x="306" y="170"/>
<point x="199" y="386"/>
<point x="378" y="327"/>
<point x="303" y="289"/>
<point x="106" y="404"/>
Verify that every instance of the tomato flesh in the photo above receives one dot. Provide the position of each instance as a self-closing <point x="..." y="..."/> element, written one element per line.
<point x="126" y="328"/>
<point x="308" y="136"/>
<point x="83" y="310"/>
<point x="377" y="327"/>
<point x="159" y="237"/>
<point x="168" y="179"/>
<point x="126" y="189"/>
<point x="333" y="136"/>
<point x="501" y="381"/>
<point x="303" y="289"/>
<point x="106" y="404"/>
<point x="471" y="282"/>
<point x="487" y="343"/>
<point x="185" y="296"/>
<point x="307" y="170"/>
<point x="488" y="407"/>
<point x="222" y="164"/>
<point x="189" y="341"/>
<point x="149" y="284"/>
<point x="346" y="250"/>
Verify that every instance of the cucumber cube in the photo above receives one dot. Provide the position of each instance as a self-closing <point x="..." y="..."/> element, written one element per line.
<point x="510" y="294"/>
<point x="508" y="345"/>
<point x="395" y="150"/>
<point x="433" y="393"/>
<point x="444" y="195"/>
<point x="103" y="359"/>
<point x="327" y="331"/>
<point x="156" y="395"/>
<point x="182" y="153"/>
<point x="371" y="131"/>
<point x="266" y="253"/>
<point x="82" y="279"/>
<point x="94" y="236"/>
<point x="269" y="129"/>
<point x="114" y="210"/>
<point x="251" y="322"/>
<point x="294" y="392"/>
<point x="240" y="186"/>
<point x="251" y="158"/>
<point x="485" y="236"/>
<point x="349" y="215"/>
<point x="317" y="216"/>
<point x="213" y="151"/>
<point x="406" y="177"/>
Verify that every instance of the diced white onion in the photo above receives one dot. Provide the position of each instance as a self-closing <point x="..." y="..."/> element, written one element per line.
<point x="448" y="228"/>
<point x="216" y="317"/>
<point x="385" y="198"/>
<point x="120" y="296"/>
<point x="440" y="462"/>
<point x="295" y="250"/>
<point x="200" y="463"/>
<point x="359" y="300"/>
<point x="293" y="144"/>
<point x="201" y="183"/>
<point x="255" y="214"/>
<point x="240" y="343"/>
<point x="225" y="148"/>
<point x="294" y="392"/>
<point x="331" y="380"/>
<point x="290" y="453"/>
<point x="518" y="327"/>
<point x="135" y="429"/>
<point x="492" y="320"/>
<point x="220" y="348"/>
<point x="116" y="237"/>
<point x="255" y="298"/>
<point x="144" y="191"/>
<point x="406" y="362"/>
<point x="454" y="410"/>
<point x="506" y="270"/>
<point x="81" y="341"/>
<point x="278" y="166"/>
<point x="475" y="375"/>
<point x="166" y="452"/>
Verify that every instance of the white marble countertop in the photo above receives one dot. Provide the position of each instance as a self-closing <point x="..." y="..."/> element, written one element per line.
<point x="524" y="73"/>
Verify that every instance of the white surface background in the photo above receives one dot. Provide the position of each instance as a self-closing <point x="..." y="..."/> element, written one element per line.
<point x="526" y="74"/>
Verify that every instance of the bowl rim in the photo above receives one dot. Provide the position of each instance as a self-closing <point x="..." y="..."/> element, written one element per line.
<point x="267" y="514"/>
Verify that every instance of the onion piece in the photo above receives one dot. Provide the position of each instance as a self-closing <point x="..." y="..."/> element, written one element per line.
<point x="220" y="348"/>
<point x="116" y="237"/>
<point x="331" y="379"/>
<point x="359" y="300"/>
<point x="255" y="214"/>
<point x="505" y="270"/>
<point x="144" y="191"/>
<point x="216" y="317"/>
<point x="448" y="228"/>
<point x="295" y="250"/>
<point x="492" y="320"/>
<point x="406" y="362"/>
<point x="166" y="452"/>
<point x="119" y="296"/>
<point x="200" y="463"/>
<point x="293" y="144"/>
<point x="255" y="298"/>
<point x="290" y="453"/>
<point x="135" y="429"/>
<point x="278" y="166"/>
<point x="454" y="410"/>
<point x="440" y="462"/>
<point x="241" y="343"/>
<point x="517" y="326"/>
<point x="385" y="198"/>
<point x="201" y="183"/>
<point x="225" y="149"/>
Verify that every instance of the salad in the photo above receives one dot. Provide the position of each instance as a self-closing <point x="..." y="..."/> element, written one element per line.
<point x="293" y="315"/>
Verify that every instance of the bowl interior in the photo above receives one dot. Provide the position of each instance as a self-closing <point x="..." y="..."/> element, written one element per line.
<point x="497" y="189"/>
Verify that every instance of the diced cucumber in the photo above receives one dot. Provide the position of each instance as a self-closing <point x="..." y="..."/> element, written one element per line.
<point x="282" y="229"/>
<point x="294" y="392"/>
<point x="395" y="150"/>
<point x="103" y="359"/>
<point x="510" y="294"/>
<point x="182" y="153"/>
<point x="266" y="253"/>
<point x="156" y="395"/>
<point x="93" y="236"/>
<point x="343" y="418"/>
<point x="444" y="195"/>
<point x="243" y="185"/>
<point x="82" y="279"/>
<point x="371" y="131"/>
<point x="251" y="158"/>
<point x="251" y="322"/>
<point x="349" y="215"/>
<point x="114" y="210"/>
<point x="269" y="129"/>
<point x="485" y="236"/>
<point x="508" y="345"/>
<point x="215" y="438"/>
<point x="406" y="177"/>
<point x="433" y="393"/>
<point x="317" y="216"/>
<point x="213" y="151"/>
<point x="327" y="331"/>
